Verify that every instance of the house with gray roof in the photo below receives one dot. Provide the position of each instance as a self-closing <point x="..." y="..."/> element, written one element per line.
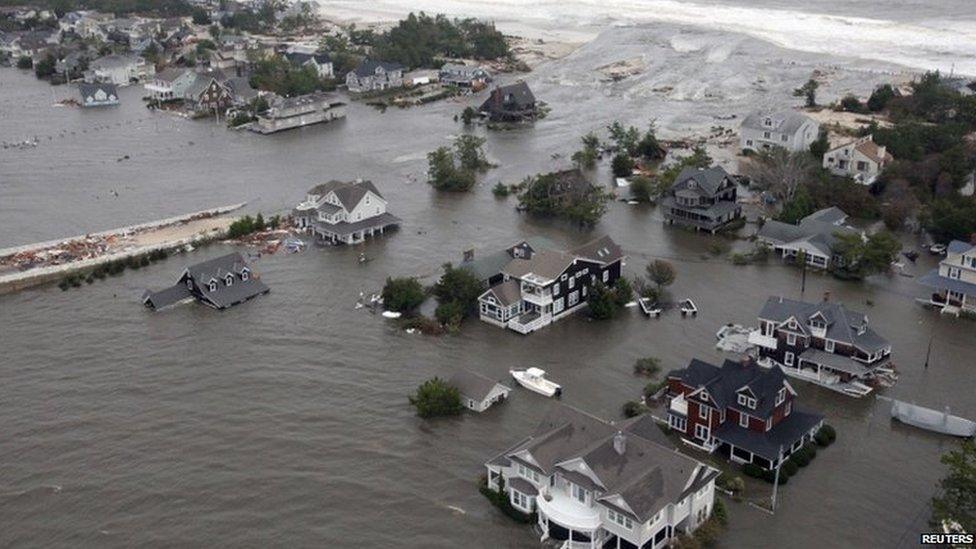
<point x="531" y="284"/>
<point x="813" y="238"/>
<point x="790" y="130"/>
<point x="321" y="63"/>
<point x="824" y="343"/>
<point x="741" y="410"/>
<point x="954" y="280"/>
<point x="338" y="212"/>
<point x="170" y="84"/>
<point x="289" y="113"/>
<point x="98" y="95"/>
<point x="371" y="75"/>
<point x="478" y="392"/>
<point x="464" y="76"/>
<point x="221" y="283"/>
<point x="511" y="103"/>
<point x="595" y="483"/>
<point x="704" y="199"/>
<point x="120" y="70"/>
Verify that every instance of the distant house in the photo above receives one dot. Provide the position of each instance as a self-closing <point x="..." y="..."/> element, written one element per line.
<point x="170" y="84"/>
<point x="344" y="213"/>
<point x="241" y="91"/>
<point x="814" y="236"/>
<point x="464" y="76"/>
<point x="98" y="95"/>
<point x="598" y="484"/>
<point x="743" y="411"/>
<point x="287" y="113"/>
<point x="532" y="284"/>
<point x="220" y="283"/>
<point x="763" y="130"/>
<point x="478" y="392"/>
<point x="955" y="279"/>
<point x="374" y="76"/>
<point x="862" y="160"/>
<point x="321" y="62"/>
<point x="824" y="343"/>
<point x="207" y="93"/>
<point x="120" y="70"/>
<point x="511" y="103"/>
<point x="702" y="198"/>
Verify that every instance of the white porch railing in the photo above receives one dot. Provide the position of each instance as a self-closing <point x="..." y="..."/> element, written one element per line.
<point x="757" y="338"/>
<point x="525" y="327"/>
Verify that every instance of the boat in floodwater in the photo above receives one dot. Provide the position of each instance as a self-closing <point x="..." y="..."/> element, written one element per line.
<point x="534" y="379"/>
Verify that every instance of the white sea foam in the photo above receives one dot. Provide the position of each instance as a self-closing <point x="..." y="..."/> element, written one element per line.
<point x="923" y="44"/>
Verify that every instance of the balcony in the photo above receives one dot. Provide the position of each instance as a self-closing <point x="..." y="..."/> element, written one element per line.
<point x="679" y="406"/>
<point x="529" y="322"/>
<point x="757" y="338"/>
<point x="568" y="512"/>
<point x="536" y="295"/>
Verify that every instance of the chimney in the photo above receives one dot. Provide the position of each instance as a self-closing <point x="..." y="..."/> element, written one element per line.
<point x="826" y="296"/>
<point x="469" y="255"/>
<point x="619" y="443"/>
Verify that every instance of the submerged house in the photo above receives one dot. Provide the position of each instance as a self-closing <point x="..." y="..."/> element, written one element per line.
<point x="596" y="484"/>
<point x="478" y="393"/>
<point x="220" y="283"/>
<point x="344" y="213"/>
<point x="287" y="113"/>
<point x="743" y="411"/>
<point x="319" y="62"/>
<point x="511" y="103"/>
<point x="98" y="95"/>
<point x="862" y="160"/>
<point x="531" y="284"/>
<point x="370" y="76"/>
<point x="954" y="279"/>
<point x="824" y="343"/>
<point x="702" y="198"/>
<point x="764" y="130"/>
<point x="464" y="76"/>
<point x="814" y="237"/>
<point x="170" y="84"/>
<point x="120" y="70"/>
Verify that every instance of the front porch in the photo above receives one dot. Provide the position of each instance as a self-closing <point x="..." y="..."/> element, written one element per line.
<point x="530" y="321"/>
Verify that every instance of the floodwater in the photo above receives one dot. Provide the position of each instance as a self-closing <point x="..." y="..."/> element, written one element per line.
<point x="285" y="421"/>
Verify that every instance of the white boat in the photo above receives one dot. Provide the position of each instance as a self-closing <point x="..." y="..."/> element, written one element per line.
<point x="688" y="307"/>
<point x="391" y="314"/>
<point x="937" y="249"/>
<point x="534" y="379"/>
<point x="649" y="307"/>
<point x="932" y="420"/>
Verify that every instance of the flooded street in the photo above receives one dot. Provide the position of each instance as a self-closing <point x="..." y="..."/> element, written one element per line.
<point x="285" y="421"/>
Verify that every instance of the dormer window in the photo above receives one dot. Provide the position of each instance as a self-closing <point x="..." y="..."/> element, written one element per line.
<point x="768" y="122"/>
<point x="245" y="274"/>
<point x="212" y="285"/>
<point x="704" y="395"/>
<point x="229" y="280"/>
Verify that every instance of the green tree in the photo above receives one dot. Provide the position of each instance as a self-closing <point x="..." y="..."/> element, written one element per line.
<point x="585" y="158"/>
<point x="24" y="62"/>
<point x="45" y="67"/>
<point x="435" y="398"/>
<point x="623" y="292"/>
<point x="468" y="115"/>
<point x="808" y="91"/>
<point x="851" y="103"/>
<point x="602" y="302"/>
<point x="649" y="148"/>
<point x="863" y="257"/>
<point x="951" y="219"/>
<point x="661" y="273"/>
<point x="402" y="295"/>
<point x="470" y="152"/>
<point x="880" y="97"/>
<point x="626" y="139"/>
<point x="820" y="147"/>
<point x="956" y="500"/>
<point x="459" y="287"/>
<point x="444" y="175"/>
<point x="800" y="206"/>
<point x="642" y="188"/>
<point x="622" y="165"/>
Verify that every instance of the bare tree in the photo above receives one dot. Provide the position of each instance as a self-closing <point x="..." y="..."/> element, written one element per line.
<point x="780" y="171"/>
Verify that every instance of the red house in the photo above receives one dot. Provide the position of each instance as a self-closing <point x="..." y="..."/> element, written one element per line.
<point x="744" y="411"/>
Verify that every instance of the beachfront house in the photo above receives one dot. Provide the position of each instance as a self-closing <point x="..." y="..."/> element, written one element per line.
<point x="763" y="130"/>
<point x="220" y="283"/>
<point x="743" y="411"/>
<point x="288" y="113"/>
<point x="954" y="279"/>
<point x="344" y="213"/>
<point x="861" y="160"/>
<point x="98" y="95"/>
<point x="595" y="484"/>
<point x="511" y="103"/>
<point x="531" y="284"/>
<point x="170" y="84"/>
<point x="704" y="199"/>
<point x="120" y="70"/>
<point x="319" y="62"/>
<point x="371" y="76"/>
<point x="207" y="94"/>
<point x="812" y="238"/>
<point x="824" y="343"/>
<point x="478" y="393"/>
<point x="464" y="76"/>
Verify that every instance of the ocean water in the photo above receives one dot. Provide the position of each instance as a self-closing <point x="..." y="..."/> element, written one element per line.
<point x="919" y="34"/>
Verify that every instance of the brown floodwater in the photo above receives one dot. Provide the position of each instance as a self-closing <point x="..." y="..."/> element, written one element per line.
<point x="285" y="421"/>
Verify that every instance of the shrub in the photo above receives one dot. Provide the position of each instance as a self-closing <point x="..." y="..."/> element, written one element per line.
<point x="499" y="499"/>
<point x="25" y="62"/>
<point x="425" y="325"/>
<point x="642" y="188"/>
<point x="435" y="398"/>
<point x="501" y="190"/>
<point x="648" y="366"/>
<point x="708" y="532"/>
<point x="753" y="470"/>
<point x="719" y="512"/>
<point x="732" y="484"/>
<point x="402" y="295"/>
<point x="851" y="103"/>
<point x="825" y="436"/>
<point x="622" y="165"/>
<point x="652" y="388"/>
<point x="459" y="289"/>
<point x="450" y="314"/>
<point x="632" y="408"/>
<point x="789" y="468"/>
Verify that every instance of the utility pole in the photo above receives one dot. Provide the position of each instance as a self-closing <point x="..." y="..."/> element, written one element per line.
<point x="779" y="464"/>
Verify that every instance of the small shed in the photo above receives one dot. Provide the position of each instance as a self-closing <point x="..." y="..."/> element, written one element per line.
<point x="478" y="392"/>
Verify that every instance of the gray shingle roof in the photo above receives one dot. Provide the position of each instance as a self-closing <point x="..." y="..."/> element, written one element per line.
<point x="787" y="122"/>
<point x="349" y="194"/>
<point x="709" y="180"/>
<point x="842" y="323"/>
<point x="377" y="221"/>
<point x="602" y="250"/>
<point x="960" y="247"/>
<point x="368" y="67"/>
<point x="724" y="383"/>
<point x="507" y="293"/>
<point x="768" y="444"/>
<point x="819" y="229"/>
<point x="472" y="385"/>
<point x="513" y="97"/>
<point x="934" y="280"/>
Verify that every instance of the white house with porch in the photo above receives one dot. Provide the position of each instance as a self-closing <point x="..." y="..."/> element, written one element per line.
<point x="596" y="484"/>
<point x="344" y="213"/>
<point x="954" y="280"/>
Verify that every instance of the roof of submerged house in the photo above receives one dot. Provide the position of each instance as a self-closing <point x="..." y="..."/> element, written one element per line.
<point x="724" y="383"/>
<point x="788" y="122"/>
<point x="709" y="180"/>
<point x="216" y="269"/>
<point x="368" y="67"/>
<point x="513" y="97"/>
<point x="818" y="229"/>
<point x="843" y="324"/>
<point x="472" y="385"/>
<point x="544" y="260"/>
<point x="632" y="462"/>
<point x="349" y="193"/>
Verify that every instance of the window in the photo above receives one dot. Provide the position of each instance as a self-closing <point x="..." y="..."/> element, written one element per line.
<point x="749" y="142"/>
<point x="784" y="139"/>
<point x="742" y="399"/>
<point x="766" y="135"/>
<point x="213" y="285"/>
<point x="829" y="346"/>
<point x="701" y="432"/>
<point x="579" y="493"/>
<point x="584" y="291"/>
<point x="572" y="283"/>
<point x="788" y="409"/>
<point x="606" y="276"/>
<point x="229" y="280"/>
<point x="791" y="339"/>
<point x="557" y="306"/>
<point x="562" y="277"/>
<point x="189" y="284"/>
<point x="522" y="501"/>
<point x="769" y="423"/>
<point x="743" y="420"/>
<point x="678" y="423"/>
<point x="573" y="299"/>
<point x="555" y="289"/>
<point x="620" y="519"/>
<point x="704" y="395"/>
<point x="781" y="396"/>
<point x="789" y="358"/>
<point x="703" y="411"/>
<point x="862" y="166"/>
<point x="530" y="474"/>
<point x="367" y="199"/>
<point x="954" y="273"/>
<point x="245" y="275"/>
